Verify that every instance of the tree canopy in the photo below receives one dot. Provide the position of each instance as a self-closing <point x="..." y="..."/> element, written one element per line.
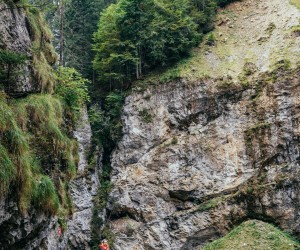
<point x="135" y="36"/>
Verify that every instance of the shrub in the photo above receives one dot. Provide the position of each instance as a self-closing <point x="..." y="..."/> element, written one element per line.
<point x="72" y="87"/>
<point x="9" y="60"/>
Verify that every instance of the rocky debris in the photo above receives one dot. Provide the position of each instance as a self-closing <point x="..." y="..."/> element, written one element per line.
<point x="247" y="36"/>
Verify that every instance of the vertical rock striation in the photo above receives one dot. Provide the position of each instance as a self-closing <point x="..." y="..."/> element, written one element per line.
<point x="83" y="189"/>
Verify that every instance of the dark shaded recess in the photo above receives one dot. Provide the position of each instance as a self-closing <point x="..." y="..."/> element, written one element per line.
<point x="182" y="195"/>
<point x="211" y="107"/>
<point x="205" y="235"/>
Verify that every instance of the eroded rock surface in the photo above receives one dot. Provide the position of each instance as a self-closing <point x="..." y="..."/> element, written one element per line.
<point x="205" y="152"/>
<point x="83" y="189"/>
<point x="35" y="230"/>
<point x="209" y="158"/>
<point x="15" y="37"/>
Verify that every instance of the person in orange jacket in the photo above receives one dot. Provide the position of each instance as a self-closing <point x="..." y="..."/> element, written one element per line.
<point x="104" y="245"/>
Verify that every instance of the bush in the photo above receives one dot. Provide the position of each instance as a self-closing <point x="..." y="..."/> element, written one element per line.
<point x="8" y="62"/>
<point x="72" y="88"/>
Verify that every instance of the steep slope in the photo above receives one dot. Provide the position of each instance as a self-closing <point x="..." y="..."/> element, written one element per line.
<point x="218" y="144"/>
<point x="255" y="32"/>
<point x="45" y="202"/>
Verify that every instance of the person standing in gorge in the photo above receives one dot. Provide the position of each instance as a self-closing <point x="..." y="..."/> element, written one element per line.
<point x="104" y="245"/>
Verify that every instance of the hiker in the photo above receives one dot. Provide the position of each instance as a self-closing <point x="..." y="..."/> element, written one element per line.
<point x="104" y="245"/>
<point x="59" y="231"/>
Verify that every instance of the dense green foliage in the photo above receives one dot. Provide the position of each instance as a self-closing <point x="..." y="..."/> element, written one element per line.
<point x="80" y="22"/>
<point x="72" y="87"/>
<point x="137" y="36"/>
<point x="105" y="121"/>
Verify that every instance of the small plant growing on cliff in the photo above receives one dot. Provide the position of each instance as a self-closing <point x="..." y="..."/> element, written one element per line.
<point x="211" y="39"/>
<point x="146" y="116"/>
<point x="282" y="64"/>
<point x="271" y="28"/>
<point x="249" y="69"/>
<point x="174" y="141"/>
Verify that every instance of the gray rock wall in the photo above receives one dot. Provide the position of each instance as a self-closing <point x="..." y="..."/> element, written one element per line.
<point x="38" y="231"/>
<point x="207" y="159"/>
<point x="15" y="37"/>
<point x="83" y="188"/>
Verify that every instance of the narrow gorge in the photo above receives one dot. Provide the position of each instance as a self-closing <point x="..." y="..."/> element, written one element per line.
<point x="174" y="158"/>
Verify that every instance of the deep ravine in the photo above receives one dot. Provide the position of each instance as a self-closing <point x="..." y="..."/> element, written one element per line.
<point x="201" y="151"/>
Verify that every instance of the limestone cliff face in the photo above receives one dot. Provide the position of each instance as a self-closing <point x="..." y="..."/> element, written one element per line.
<point x="39" y="231"/>
<point x="208" y="159"/>
<point x="15" y="37"/>
<point x="25" y="33"/>
<point x="35" y="229"/>
<point x="83" y="188"/>
<point x="199" y="156"/>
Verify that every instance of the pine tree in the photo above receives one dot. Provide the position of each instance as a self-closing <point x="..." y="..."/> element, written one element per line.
<point x="81" y="18"/>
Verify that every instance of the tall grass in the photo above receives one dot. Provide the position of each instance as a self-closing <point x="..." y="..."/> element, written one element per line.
<point x="45" y="195"/>
<point x="7" y="170"/>
<point x="35" y="140"/>
<point x="43" y="53"/>
<point x="32" y="130"/>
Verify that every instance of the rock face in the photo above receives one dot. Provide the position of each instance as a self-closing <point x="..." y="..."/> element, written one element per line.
<point x="37" y="231"/>
<point x="83" y="189"/>
<point x="200" y="156"/>
<point x="15" y="37"/>
<point x="208" y="159"/>
<point x="22" y="232"/>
